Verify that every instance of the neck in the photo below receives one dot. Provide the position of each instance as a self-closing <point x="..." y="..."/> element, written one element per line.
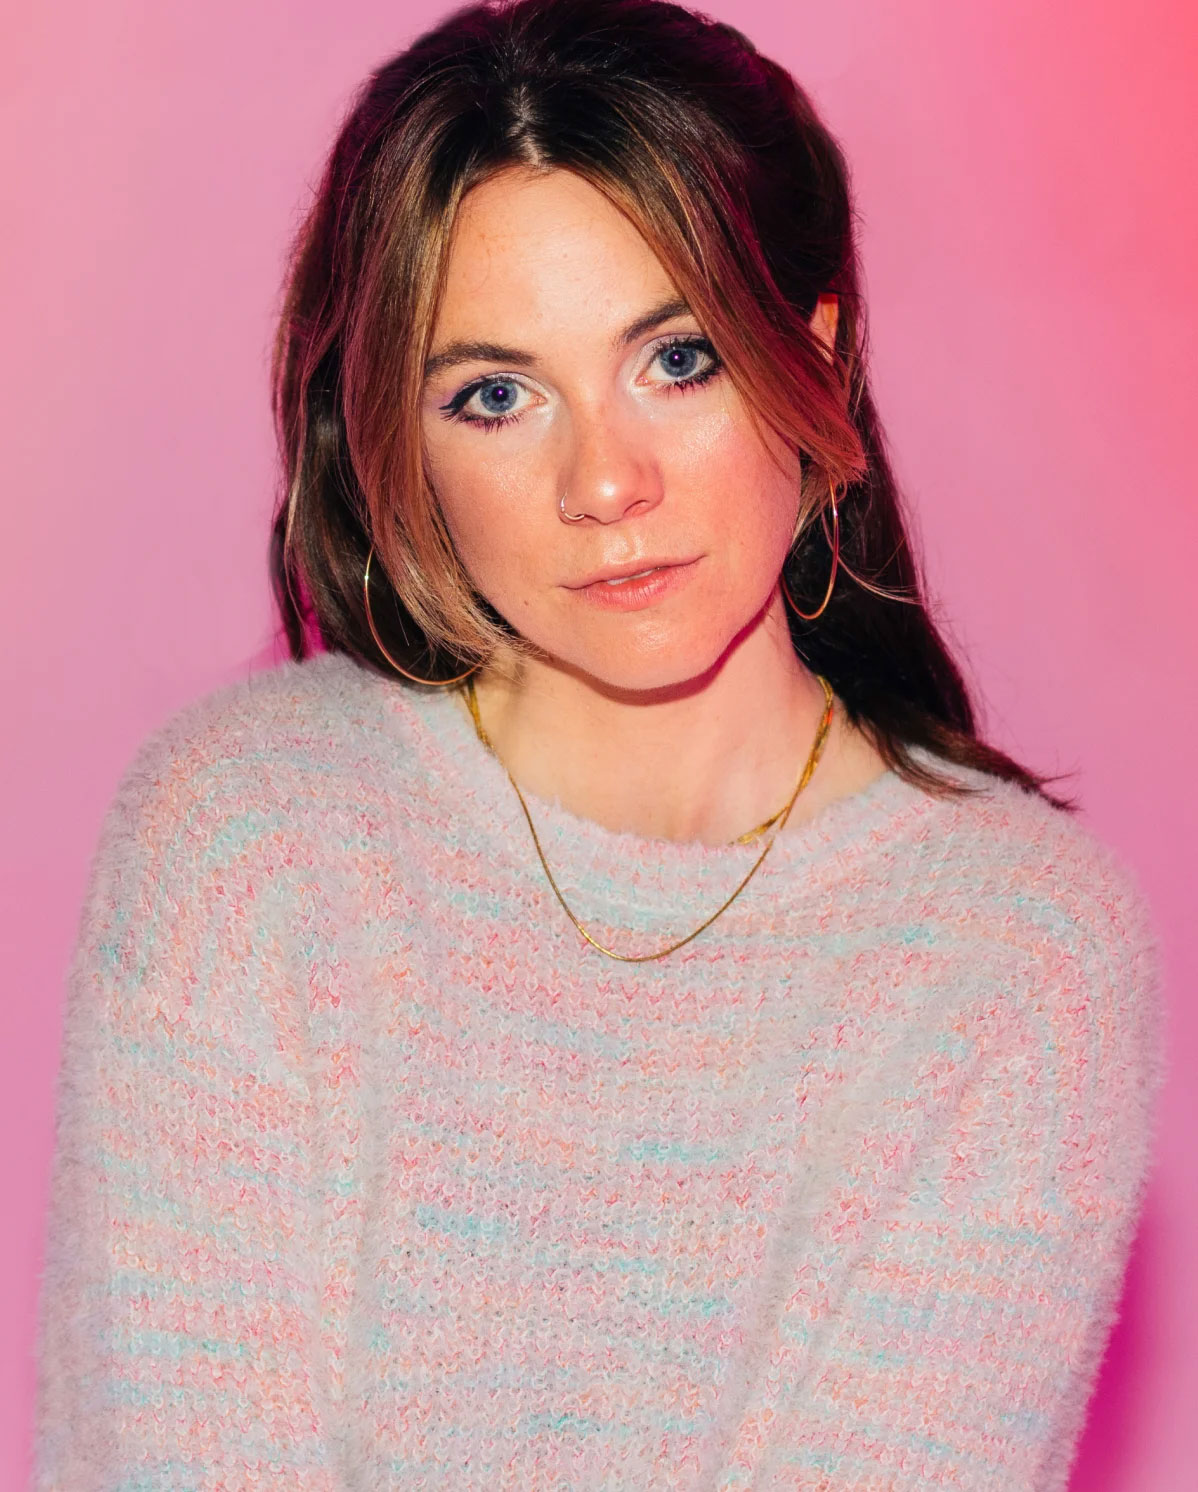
<point x="703" y="761"/>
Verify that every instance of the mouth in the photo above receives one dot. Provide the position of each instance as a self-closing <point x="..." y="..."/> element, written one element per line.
<point x="615" y="576"/>
<point x="636" y="575"/>
<point x="644" y="586"/>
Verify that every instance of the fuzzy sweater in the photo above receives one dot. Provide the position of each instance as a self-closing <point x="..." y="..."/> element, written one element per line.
<point x="371" y="1174"/>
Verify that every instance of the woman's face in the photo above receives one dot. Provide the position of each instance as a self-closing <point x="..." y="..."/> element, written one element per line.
<point x="557" y="384"/>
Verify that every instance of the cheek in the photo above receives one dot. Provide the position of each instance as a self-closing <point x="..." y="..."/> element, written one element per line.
<point x="750" y="493"/>
<point x="494" y="525"/>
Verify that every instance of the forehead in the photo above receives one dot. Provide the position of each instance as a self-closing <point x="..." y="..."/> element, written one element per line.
<point x="544" y="250"/>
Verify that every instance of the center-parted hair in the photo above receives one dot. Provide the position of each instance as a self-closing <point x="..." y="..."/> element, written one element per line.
<point x="719" y="159"/>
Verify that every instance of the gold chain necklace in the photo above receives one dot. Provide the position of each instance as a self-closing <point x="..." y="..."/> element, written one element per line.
<point x="780" y="817"/>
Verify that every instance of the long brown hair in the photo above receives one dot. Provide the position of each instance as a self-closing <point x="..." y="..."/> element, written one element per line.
<point x="719" y="159"/>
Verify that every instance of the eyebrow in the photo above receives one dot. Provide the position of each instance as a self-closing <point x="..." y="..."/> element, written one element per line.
<point x="463" y="351"/>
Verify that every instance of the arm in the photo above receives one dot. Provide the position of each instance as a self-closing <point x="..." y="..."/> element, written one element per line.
<point x="176" y="1343"/>
<point x="970" y="1332"/>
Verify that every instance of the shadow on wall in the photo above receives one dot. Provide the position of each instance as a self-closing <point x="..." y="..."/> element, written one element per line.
<point x="1107" y="1452"/>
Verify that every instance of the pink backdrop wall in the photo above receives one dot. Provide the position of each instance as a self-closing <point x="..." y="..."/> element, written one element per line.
<point x="1025" y="171"/>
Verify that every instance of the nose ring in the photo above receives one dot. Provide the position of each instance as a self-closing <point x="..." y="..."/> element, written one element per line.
<point x="569" y="517"/>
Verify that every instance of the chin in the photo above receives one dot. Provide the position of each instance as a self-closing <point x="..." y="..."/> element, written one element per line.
<point x="640" y="667"/>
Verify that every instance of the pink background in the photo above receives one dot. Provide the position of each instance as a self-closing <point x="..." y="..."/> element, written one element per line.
<point x="1025" y="170"/>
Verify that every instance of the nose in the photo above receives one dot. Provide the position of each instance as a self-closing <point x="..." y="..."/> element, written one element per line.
<point x="612" y="474"/>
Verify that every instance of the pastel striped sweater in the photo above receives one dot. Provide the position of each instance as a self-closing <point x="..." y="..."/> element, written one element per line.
<point x="372" y="1175"/>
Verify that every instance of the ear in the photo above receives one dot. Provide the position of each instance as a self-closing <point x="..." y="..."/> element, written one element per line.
<point x="823" y="321"/>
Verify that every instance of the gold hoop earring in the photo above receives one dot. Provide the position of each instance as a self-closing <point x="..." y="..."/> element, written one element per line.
<point x="436" y="683"/>
<point x="811" y="616"/>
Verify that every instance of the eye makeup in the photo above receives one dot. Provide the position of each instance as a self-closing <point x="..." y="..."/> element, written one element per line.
<point x="455" y="410"/>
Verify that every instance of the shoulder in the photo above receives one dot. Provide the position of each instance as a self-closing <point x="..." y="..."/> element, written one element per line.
<point x="1066" y="916"/>
<point x="1009" y="858"/>
<point x="254" y="760"/>
<point x="295" y="708"/>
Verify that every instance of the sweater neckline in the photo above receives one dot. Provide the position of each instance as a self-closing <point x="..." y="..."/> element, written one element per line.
<point x="654" y="871"/>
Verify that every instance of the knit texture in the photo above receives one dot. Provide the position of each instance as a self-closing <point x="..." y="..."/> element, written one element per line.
<point x="371" y="1174"/>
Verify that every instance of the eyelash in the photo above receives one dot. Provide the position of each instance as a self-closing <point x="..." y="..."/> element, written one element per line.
<point x="453" y="410"/>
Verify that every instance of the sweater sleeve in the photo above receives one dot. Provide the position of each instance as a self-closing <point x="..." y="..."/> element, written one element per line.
<point x="176" y="1344"/>
<point x="973" y="1323"/>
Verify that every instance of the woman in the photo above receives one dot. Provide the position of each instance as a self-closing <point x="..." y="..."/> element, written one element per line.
<point x="666" y="1048"/>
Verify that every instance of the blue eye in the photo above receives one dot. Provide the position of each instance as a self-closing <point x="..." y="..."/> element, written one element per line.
<point x="678" y="357"/>
<point x="498" y="393"/>
<point x="501" y="390"/>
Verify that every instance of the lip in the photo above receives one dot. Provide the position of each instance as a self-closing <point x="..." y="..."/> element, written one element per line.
<point x="633" y="567"/>
<point x="633" y="595"/>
